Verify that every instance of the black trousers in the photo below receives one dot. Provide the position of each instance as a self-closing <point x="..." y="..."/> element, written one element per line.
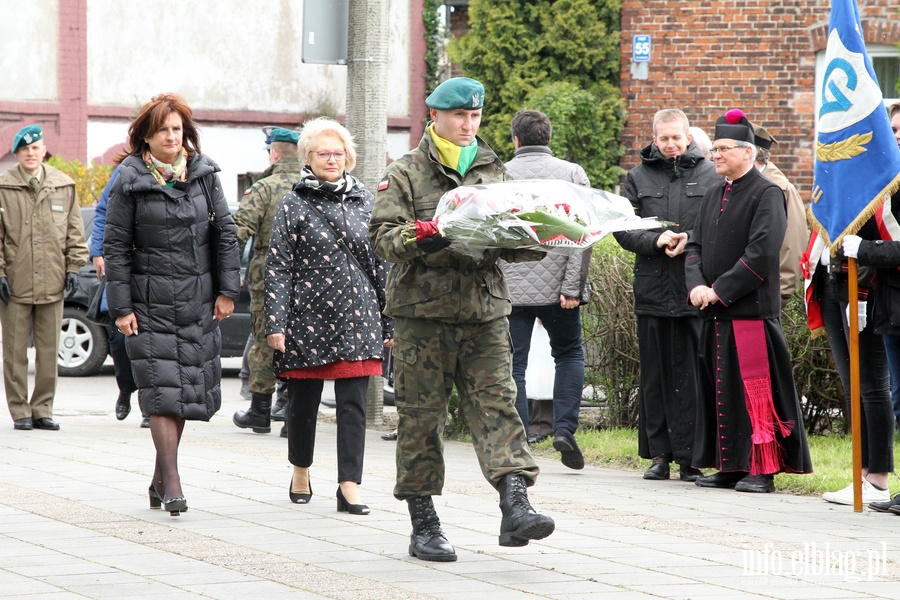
<point x="669" y="386"/>
<point x="877" y="415"/>
<point x="304" y="396"/>
<point x="121" y="362"/>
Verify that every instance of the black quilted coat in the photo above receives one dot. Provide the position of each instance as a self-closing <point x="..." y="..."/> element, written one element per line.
<point x="156" y="247"/>
<point x="326" y="305"/>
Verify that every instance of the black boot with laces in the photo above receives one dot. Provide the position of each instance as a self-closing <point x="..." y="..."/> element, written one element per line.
<point x="521" y="522"/>
<point x="427" y="541"/>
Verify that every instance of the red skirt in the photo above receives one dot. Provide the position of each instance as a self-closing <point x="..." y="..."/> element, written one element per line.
<point x="337" y="370"/>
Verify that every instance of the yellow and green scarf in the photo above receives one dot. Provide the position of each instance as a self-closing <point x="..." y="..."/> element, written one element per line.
<point x="164" y="173"/>
<point x="459" y="158"/>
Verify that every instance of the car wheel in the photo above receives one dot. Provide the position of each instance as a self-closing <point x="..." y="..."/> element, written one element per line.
<point x="388" y="393"/>
<point x="83" y="345"/>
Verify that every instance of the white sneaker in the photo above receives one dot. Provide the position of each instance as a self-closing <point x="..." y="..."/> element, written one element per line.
<point x="870" y="493"/>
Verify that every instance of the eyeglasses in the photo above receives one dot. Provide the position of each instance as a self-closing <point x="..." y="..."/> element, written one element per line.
<point x="716" y="150"/>
<point x="337" y="156"/>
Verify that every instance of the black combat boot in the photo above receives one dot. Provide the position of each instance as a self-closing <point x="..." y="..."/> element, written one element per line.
<point x="257" y="418"/>
<point x="520" y="521"/>
<point x="427" y="541"/>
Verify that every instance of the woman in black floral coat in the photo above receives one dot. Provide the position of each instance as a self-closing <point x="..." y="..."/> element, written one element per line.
<point x="324" y="297"/>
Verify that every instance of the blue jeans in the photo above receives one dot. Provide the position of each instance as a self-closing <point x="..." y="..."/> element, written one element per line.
<point x="892" y="348"/>
<point x="563" y="326"/>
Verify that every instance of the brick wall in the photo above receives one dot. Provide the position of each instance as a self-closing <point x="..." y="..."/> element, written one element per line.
<point x="72" y="124"/>
<point x="756" y="55"/>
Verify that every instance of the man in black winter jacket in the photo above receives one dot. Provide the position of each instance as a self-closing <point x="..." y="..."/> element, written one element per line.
<point x="668" y="184"/>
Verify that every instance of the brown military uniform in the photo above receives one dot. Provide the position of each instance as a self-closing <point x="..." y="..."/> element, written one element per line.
<point x="42" y="239"/>
<point x="450" y="328"/>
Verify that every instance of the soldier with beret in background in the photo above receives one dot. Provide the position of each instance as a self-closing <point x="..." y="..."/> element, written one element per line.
<point x="245" y="358"/>
<point x="254" y="219"/>
<point x="451" y="327"/>
<point x="43" y="249"/>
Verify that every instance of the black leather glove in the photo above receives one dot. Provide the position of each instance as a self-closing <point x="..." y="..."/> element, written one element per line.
<point x="433" y="244"/>
<point x="71" y="284"/>
<point x="5" y="290"/>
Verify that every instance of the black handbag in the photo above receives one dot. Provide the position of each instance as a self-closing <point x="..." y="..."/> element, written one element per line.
<point x="94" y="301"/>
<point x="215" y="234"/>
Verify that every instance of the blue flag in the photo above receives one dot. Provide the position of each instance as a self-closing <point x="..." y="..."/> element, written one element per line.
<point x="857" y="158"/>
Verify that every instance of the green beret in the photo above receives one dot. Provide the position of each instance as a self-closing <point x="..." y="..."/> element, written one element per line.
<point x="27" y="136"/>
<point x="456" y="93"/>
<point x="285" y="135"/>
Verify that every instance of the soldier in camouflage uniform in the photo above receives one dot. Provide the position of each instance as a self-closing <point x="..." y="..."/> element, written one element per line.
<point x="451" y="328"/>
<point x="254" y="218"/>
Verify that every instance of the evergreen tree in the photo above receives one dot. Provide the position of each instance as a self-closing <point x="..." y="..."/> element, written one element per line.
<point x="584" y="123"/>
<point x="515" y="47"/>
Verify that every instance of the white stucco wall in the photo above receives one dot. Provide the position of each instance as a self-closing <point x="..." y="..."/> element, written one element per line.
<point x="224" y="55"/>
<point x="29" y="45"/>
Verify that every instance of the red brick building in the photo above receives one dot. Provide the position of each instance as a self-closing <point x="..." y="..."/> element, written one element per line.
<point x="760" y="56"/>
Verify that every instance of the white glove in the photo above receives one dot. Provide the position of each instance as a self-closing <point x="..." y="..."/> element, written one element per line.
<point x="851" y="245"/>
<point x="861" y="314"/>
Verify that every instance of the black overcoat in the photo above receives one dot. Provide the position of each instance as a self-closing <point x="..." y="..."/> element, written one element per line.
<point x="157" y="253"/>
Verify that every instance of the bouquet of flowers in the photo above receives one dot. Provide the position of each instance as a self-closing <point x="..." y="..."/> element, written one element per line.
<point x="530" y="213"/>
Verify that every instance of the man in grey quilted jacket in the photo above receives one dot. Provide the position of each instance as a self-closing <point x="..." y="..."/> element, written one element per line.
<point x="551" y="290"/>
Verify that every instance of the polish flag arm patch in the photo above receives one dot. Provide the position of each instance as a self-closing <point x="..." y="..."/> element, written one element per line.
<point x="383" y="184"/>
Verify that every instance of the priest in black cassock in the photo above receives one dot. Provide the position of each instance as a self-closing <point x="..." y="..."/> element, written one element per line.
<point x="749" y="424"/>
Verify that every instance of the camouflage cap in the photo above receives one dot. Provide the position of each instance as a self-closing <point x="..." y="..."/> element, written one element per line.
<point x="27" y="136"/>
<point x="457" y="93"/>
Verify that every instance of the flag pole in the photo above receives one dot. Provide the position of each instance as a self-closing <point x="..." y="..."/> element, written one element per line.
<point x="855" y="426"/>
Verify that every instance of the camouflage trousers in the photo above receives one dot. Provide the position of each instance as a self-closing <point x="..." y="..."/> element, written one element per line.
<point x="262" y="376"/>
<point x="429" y="358"/>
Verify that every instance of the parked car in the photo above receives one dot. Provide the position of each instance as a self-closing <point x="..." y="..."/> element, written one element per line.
<point x="83" y="344"/>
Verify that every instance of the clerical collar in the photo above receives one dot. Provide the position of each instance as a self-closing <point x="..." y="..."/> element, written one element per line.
<point x="730" y="181"/>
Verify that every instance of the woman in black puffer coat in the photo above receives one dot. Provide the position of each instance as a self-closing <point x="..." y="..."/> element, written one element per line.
<point x="160" y="285"/>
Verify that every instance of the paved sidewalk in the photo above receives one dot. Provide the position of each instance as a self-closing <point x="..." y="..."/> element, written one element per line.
<point x="75" y="523"/>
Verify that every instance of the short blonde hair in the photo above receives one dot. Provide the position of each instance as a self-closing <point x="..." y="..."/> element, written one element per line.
<point x="313" y="130"/>
<point x="668" y="115"/>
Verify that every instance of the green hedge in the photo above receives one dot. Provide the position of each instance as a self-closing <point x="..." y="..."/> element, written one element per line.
<point x="612" y="360"/>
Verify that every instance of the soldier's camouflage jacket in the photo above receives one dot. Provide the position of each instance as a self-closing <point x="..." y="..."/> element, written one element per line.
<point x="443" y="286"/>
<point x="254" y="218"/>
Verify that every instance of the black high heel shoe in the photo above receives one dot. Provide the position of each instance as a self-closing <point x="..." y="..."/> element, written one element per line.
<point x="176" y="506"/>
<point x="155" y="497"/>
<point x="299" y="498"/>
<point x="353" y="509"/>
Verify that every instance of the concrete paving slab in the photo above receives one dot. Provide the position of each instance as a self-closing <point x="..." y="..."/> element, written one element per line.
<point x="74" y="522"/>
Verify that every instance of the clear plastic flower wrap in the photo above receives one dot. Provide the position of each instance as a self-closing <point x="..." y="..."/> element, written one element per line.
<point x="530" y="213"/>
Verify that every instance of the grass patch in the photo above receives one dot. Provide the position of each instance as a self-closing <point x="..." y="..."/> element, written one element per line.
<point x="831" y="458"/>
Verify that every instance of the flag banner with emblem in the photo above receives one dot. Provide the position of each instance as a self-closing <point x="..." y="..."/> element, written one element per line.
<point x="857" y="164"/>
